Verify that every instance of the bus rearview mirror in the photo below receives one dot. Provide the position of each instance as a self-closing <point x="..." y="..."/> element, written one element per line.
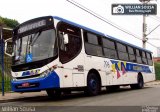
<point x="65" y="36"/>
<point x="8" y="47"/>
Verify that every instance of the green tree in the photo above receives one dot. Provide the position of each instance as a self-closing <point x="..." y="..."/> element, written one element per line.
<point x="11" y="23"/>
<point x="2" y="22"/>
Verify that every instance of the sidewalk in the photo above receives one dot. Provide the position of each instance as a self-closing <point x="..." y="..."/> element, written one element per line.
<point x="12" y="96"/>
<point x="157" y="82"/>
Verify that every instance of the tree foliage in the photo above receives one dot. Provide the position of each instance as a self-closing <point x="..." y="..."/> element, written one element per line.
<point x="6" y="22"/>
<point x="2" y="22"/>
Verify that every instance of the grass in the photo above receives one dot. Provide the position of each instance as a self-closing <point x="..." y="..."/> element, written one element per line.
<point x="157" y="70"/>
<point x="7" y="74"/>
<point x="7" y="85"/>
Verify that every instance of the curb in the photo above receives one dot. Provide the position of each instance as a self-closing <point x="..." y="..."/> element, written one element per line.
<point x="157" y="82"/>
<point x="20" y="97"/>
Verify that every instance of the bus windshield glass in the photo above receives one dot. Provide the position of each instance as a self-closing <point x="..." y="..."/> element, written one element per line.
<point x="34" y="47"/>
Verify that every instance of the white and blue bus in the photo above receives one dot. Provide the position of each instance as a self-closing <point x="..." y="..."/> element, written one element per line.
<point x="57" y="55"/>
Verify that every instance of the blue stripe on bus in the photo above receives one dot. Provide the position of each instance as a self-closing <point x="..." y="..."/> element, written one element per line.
<point x="51" y="81"/>
<point x="137" y="68"/>
<point x="119" y="65"/>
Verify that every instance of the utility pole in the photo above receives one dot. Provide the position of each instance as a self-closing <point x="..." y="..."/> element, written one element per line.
<point x="2" y="58"/>
<point x="144" y="40"/>
<point x="144" y="26"/>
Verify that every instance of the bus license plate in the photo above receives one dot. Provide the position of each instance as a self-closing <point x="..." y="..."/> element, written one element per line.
<point x="25" y="84"/>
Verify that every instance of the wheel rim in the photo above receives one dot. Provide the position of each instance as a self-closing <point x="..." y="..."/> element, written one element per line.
<point x="93" y="84"/>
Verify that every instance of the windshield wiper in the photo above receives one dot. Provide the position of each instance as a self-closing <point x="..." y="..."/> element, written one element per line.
<point x="35" y="38"/>
<point x="31" y="40"/>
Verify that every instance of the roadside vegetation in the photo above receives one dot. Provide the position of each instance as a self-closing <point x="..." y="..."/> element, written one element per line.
<point x="10" y="23"/>
<point x="7" y="74"/>
<point x="157" y="70"/>
<point x="7" y="23"/>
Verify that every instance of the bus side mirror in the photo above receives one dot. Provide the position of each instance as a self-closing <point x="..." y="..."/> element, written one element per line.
<point x="65" y="37"/>
<point x="8" y="47"/>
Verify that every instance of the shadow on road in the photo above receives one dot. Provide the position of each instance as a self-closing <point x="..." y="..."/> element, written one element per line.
<point x="74" y="95"/>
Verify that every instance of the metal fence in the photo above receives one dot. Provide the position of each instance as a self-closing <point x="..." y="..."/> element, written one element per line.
<point x="5" y="68"/>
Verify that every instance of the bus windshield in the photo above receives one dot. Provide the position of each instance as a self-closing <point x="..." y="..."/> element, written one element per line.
<point x="34" y="47"/>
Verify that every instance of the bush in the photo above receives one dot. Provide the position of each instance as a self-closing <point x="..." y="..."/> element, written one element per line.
<point x="157" y="70"/>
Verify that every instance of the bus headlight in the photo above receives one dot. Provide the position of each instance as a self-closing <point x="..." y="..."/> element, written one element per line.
<point x="14" y="79"/>
<point x="45" y="73"/>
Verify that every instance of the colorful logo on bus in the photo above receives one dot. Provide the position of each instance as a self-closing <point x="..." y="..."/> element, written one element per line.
<point x="119" y="68"/>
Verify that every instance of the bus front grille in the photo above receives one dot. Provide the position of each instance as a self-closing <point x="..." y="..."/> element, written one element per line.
<point x="28" y="77"/>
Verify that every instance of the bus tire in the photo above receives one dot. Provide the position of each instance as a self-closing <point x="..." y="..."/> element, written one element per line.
<point x="140" y="83"/>
<point x="93" y="85"/>
<point x="52" y="93"/>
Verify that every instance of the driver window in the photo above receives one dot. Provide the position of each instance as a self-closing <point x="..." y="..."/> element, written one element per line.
<point x="70" y="42"/>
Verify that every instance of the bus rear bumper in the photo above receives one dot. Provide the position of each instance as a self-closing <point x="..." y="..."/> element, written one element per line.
<point x="38" y="84"/>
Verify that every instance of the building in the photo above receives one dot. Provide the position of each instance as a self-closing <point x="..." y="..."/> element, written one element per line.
<point x="156" y="59"/>
<point x="158" y="52"/>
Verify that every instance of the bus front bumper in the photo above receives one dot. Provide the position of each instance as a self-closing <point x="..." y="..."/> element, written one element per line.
<point x="38" y="84"/>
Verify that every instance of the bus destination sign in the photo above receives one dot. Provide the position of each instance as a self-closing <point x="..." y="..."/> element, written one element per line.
<point x="134" y="9"/>
<point x="32" y="26"/>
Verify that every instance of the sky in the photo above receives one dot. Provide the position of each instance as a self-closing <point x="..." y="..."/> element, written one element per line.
<point x="23" y="10"/>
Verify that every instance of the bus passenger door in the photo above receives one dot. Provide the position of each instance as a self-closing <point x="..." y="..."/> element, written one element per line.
<point x="78" y="71"/>
<point x="70" y="45"/>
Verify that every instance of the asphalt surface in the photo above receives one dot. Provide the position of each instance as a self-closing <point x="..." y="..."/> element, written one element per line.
<point x="123" y="99"/>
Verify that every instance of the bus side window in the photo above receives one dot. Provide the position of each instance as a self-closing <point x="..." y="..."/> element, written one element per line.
<point x="109" y="48"/>
<point x="138" y="57"/>
<point x="144" y="58"/>
<point x="93" y="44"/>
<point x="131" y="52"/>
<point x="122" y="52"/>
<point x="149" y="58"/>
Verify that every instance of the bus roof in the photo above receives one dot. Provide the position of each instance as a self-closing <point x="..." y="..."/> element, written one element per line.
<point x="97" y="32"/>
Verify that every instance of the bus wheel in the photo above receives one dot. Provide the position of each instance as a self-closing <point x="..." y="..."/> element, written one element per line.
<point x="93" y="85"/>
<point x="140" y="83"/>
<point x="52" y="93"/>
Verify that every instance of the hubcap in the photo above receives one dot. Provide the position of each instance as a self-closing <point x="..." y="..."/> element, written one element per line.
<point x="93" y="84"/>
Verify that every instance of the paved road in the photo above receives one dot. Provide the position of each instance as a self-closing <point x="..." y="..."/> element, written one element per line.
<point x="149" y="96"/>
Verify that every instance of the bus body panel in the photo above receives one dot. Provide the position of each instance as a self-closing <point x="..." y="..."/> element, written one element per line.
<point x="73" y="72"/>
<point x="38" y="84"/>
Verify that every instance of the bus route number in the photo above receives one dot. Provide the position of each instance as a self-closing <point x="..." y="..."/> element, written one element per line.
<point x="106" y="64"/>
